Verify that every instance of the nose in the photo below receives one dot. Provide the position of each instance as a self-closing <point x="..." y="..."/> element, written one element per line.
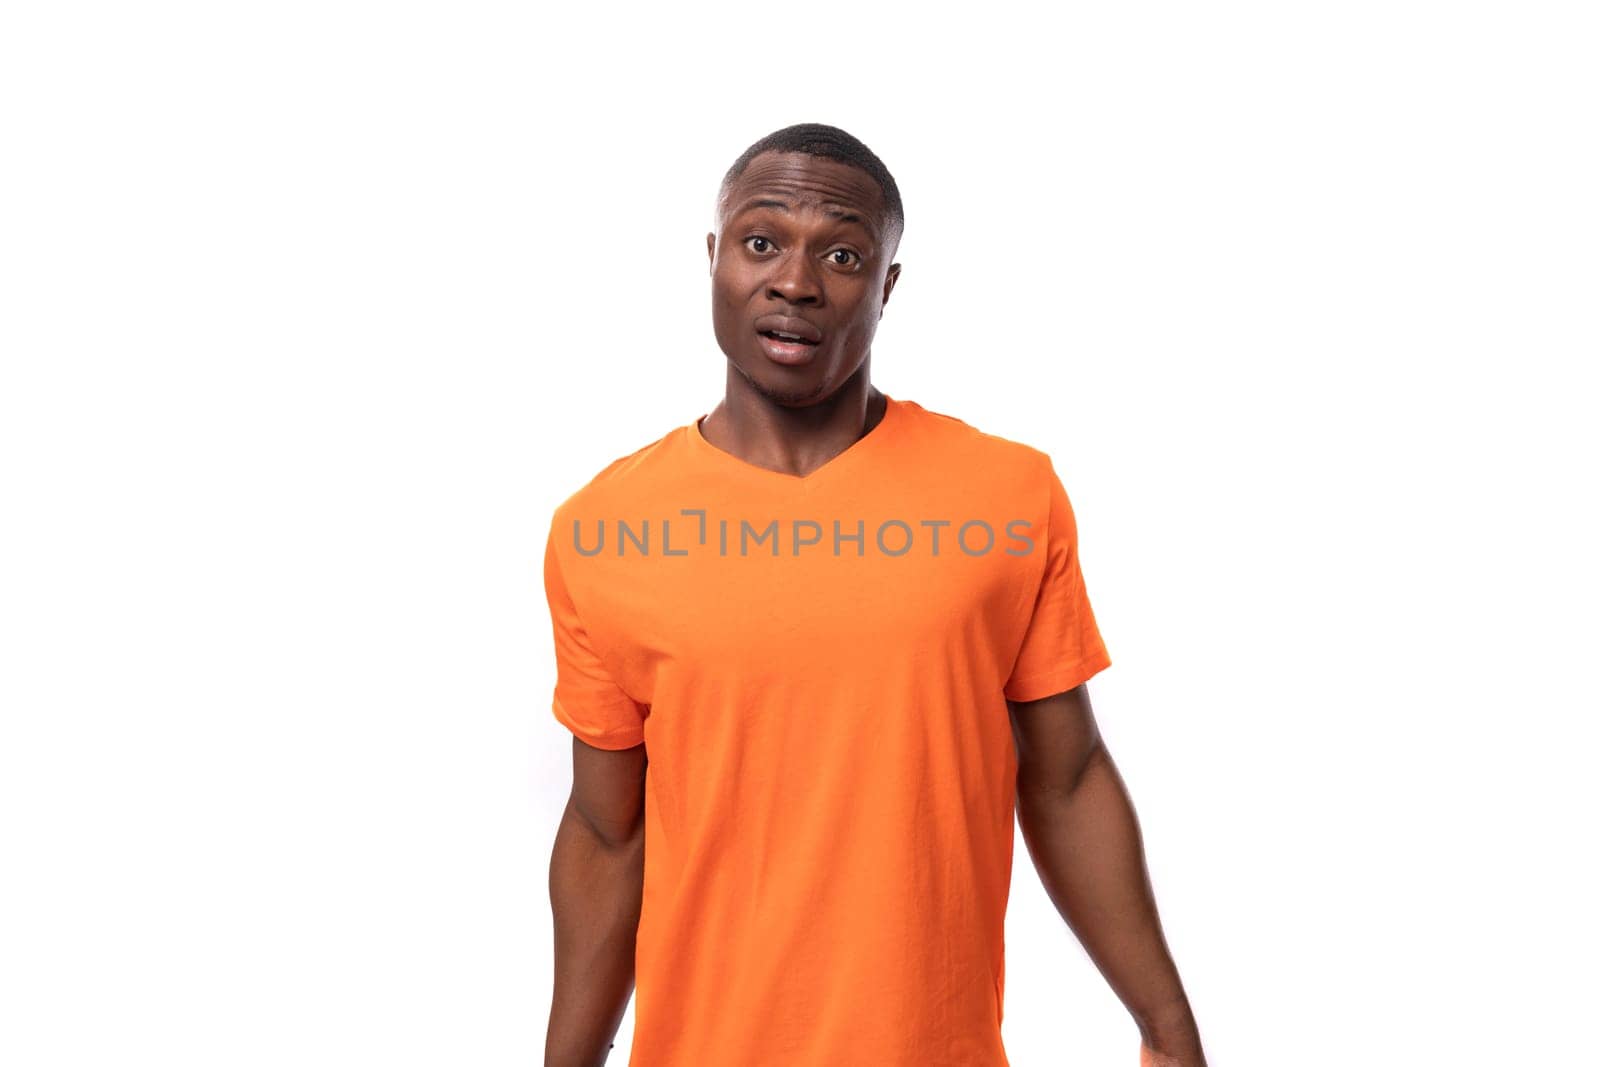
<point x="794" y="279"/>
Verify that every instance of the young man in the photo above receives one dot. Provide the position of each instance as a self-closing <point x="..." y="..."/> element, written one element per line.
<point x="818" y="650"/>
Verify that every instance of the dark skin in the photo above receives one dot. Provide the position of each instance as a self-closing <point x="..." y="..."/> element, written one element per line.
<point x="596" y="891"/>
<point x="809" y="238"/>
<point x="821" y="251"/>
<point x="1080" y="829"/>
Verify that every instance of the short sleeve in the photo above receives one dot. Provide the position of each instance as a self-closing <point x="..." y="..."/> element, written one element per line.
<point x="587" y="700"/>
<point x="1061" y="648"/>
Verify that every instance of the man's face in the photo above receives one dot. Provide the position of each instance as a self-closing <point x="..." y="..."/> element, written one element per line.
<point x="800" y="250"/>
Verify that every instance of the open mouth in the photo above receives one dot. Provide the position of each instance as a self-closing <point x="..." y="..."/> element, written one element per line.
<point x="786" y="338"/>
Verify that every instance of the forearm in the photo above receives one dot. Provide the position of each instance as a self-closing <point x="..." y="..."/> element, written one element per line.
<point x="1086" y="845"/>
<point x="596" y="889"/>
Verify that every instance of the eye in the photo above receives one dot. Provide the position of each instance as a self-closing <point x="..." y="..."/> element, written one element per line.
<point x="765" y="243"/>
<point x="851" y="259"/>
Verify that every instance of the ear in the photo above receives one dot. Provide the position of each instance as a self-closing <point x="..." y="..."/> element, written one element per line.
<point x="888" y="283"/>
<point x="711" y="248"/>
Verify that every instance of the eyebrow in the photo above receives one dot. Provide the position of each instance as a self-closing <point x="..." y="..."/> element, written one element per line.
<point x="831" y="212"/>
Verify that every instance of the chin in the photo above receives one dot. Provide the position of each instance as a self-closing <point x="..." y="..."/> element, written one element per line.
<point x="789" y="393"/>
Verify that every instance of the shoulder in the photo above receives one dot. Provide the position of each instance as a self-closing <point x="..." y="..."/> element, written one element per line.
<point x="625" y="478"/>
<point x="971" y="449"/>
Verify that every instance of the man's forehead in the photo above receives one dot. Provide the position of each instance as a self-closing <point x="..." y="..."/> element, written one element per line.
<point x="795" y="181"/>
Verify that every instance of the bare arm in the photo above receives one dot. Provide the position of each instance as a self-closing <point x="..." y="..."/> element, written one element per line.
<point x="1080" y="829"/>
<point x="596" y="890"/>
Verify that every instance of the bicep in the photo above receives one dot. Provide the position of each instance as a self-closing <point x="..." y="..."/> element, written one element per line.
<point x="1055" y="737"/>
<point x="608" y="789"/>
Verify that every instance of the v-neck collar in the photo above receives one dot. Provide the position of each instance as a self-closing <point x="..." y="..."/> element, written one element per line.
<point x="871" y="440"/>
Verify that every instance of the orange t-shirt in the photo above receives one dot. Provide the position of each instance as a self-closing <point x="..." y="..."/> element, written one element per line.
<point x="818" y="668"/>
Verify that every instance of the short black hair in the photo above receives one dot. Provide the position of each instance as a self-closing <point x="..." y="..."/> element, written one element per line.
<point x="828" y="142"/>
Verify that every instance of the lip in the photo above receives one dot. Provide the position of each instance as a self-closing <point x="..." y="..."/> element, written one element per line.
<point x="789" y="324"/>
<point x="788" y="354"/>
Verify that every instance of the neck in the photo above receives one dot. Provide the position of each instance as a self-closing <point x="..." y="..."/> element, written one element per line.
<point x="793" y="439"/>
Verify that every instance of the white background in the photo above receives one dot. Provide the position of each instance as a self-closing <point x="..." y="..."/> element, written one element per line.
<point x="312" y="312"/>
